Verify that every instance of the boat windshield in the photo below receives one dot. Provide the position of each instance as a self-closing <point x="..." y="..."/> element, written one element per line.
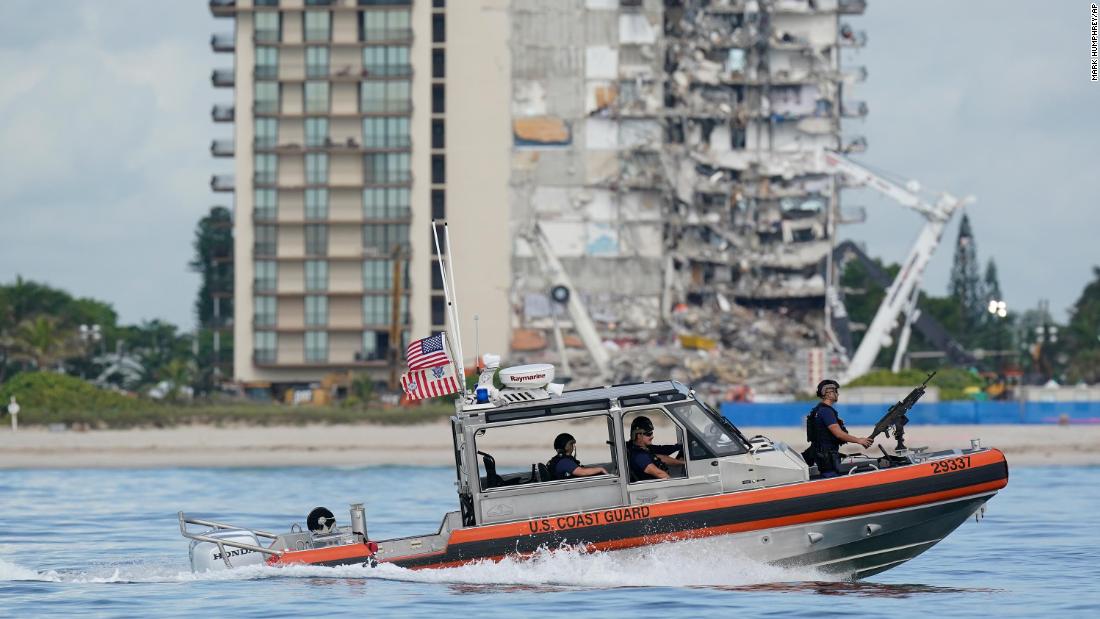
<point x="713" y="429"/>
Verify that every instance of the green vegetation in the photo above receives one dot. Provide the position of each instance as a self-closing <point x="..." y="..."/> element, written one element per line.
<point x="48" y="398"/>
<point x="1029" y="344"/>
<point x="42" y="328"/>
<point x="213" y="261"/>
<point x="53" y="393"/>
<point x="952" y="382"/>
<point x="1083" y="334"/>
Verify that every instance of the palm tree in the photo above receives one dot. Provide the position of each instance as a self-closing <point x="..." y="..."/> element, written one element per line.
<point x="43" y="341"/>
<point x="178" y="373"/>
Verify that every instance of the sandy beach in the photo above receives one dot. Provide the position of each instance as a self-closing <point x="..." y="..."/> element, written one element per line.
<point x="430" y="445"/>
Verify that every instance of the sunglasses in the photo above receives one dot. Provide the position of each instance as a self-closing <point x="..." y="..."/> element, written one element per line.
<point x="650" y="433"/>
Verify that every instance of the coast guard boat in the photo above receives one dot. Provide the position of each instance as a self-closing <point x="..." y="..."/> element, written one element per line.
<point x="758" y="494"/>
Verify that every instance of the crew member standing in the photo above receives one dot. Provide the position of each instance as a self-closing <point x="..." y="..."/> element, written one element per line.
<point x="826" y="432"/>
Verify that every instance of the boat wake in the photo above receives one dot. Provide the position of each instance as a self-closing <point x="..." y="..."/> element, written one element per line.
<point x="676" y="564"/>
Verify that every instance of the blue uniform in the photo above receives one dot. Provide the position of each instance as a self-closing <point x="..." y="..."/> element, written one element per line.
<point x="824" y="451"/>
<point x="564" y="466"/>
<point x="827" y="416"/>
<point x="640" y="458"/>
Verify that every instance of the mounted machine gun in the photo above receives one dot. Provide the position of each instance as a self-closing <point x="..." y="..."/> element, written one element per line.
<point x="895" y="418"/>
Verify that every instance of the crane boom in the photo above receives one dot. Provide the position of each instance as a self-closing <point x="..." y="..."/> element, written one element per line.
<point x="582" y="322"/>
<point x="905" y="286"/>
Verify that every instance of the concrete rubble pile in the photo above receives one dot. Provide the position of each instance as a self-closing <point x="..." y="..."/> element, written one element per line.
<point x="682" y="172"/>
<point x="725" y="355"/>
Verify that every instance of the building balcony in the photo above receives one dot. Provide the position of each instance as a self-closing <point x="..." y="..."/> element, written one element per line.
<point x="265" y="73"/>
<point x="222" y="78"/>
<point x="388" y="70"/>
<point x="266" y="35"/>
<point x="223" y="8"/>
<point x="265" y="178"/>
<point x="387" y="35"/>
<point x="264" y="249"/>
<point x="349" y="146"/>
<point x="853" y="109"/>
<point x="851" y="7"/>
<point x="853" y="76"/>
<point x="330" y="328"/>
<point x="222" y="182"/>
<point x="223" y="113"/>
<point x="335" y="294"/>
<point x="266" y="359"/>
<point x="223" y="43"/>
<point x="265" y="107"/>
<point x="221" y="148"/>
<point x="345" y="74"/>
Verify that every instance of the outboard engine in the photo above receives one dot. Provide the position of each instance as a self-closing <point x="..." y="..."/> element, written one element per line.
<point x="206" y="556"/>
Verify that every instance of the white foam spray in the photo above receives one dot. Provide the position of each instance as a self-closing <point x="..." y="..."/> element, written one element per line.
<point x="703" y="562"/>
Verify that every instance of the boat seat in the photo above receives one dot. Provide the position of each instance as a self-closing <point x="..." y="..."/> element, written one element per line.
<point x="539" y="472"/>
<point x="492" y="480"/>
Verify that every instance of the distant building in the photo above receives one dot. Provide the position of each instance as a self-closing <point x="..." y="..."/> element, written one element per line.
<point x="351" y="132"/>
<point x="669" y="150"/>
<point x="666" y="149"/>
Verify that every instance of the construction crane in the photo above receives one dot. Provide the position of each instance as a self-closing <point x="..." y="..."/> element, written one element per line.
<point x="901" y="296"/>
<point x="562" y="291"/>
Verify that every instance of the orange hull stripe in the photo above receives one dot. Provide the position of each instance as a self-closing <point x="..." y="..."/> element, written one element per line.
<point x="747" y="497"/>
<point x="743" y="527"/>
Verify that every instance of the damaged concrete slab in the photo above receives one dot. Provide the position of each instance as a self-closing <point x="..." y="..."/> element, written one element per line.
<point x="677" y="179"/>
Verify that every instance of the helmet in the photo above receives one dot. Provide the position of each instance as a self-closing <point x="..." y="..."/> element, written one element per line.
<point x="640" y="424"/>
<point x="562" y="440"/>
<point x="825" y="383"/>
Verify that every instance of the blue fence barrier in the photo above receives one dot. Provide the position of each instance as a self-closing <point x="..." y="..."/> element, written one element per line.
<point x="960" y="412"/>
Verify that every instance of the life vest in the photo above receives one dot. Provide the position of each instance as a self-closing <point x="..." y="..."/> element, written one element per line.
<point x="553" y="463"/>
<point x="824" y="449"/>
<point x="816" y="435"/>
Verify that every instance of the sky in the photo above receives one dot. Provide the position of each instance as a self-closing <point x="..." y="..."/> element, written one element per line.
<point x="994" y="100"/>
<point x="105" y="131"/>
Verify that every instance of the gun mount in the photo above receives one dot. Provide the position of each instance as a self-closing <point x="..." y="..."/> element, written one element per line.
<point x="895" y="418"/>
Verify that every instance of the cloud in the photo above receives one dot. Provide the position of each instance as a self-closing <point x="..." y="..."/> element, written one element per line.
<point x="990" y="99"/>
<point x="105" y="128"/>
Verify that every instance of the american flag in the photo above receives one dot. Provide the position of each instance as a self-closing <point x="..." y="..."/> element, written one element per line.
<point x="429" y="383"/>
<point x="427" y="353"/>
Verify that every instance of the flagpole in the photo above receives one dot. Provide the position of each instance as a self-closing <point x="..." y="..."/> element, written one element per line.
<point x="456" y="360"/>
<point x="454" y="306"/>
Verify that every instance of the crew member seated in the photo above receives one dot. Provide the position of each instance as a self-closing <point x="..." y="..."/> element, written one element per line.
<point x="649" y="461"/>
<point x="565" y="465"/>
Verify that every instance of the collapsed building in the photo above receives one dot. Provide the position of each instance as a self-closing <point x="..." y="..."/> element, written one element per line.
<point x="668" y="153"/>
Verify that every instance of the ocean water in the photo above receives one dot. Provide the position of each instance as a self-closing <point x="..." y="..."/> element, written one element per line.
<point x="106" y="543"/>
